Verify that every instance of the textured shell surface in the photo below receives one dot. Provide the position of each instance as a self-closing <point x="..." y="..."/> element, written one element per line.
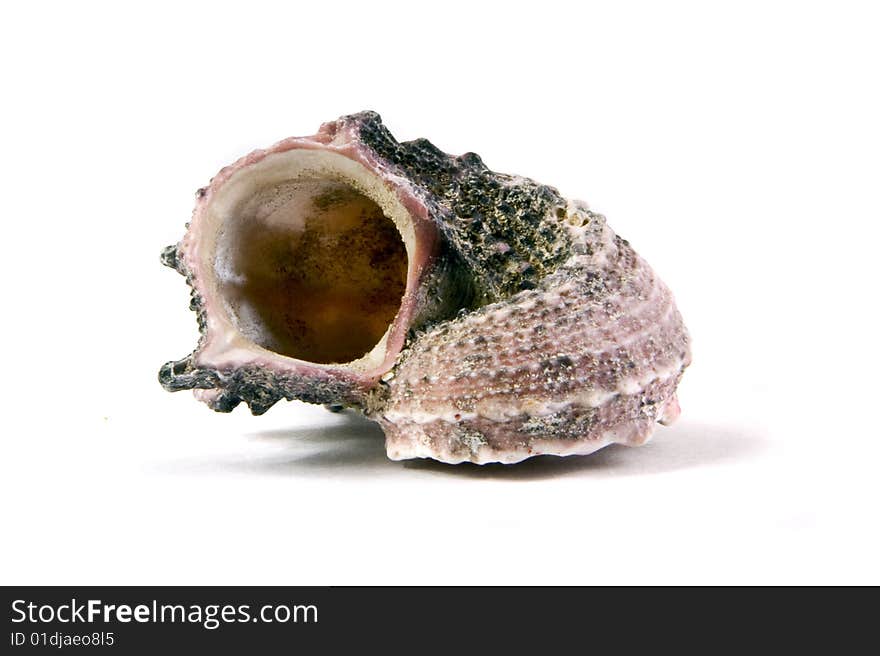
<point x="476" y="316"/>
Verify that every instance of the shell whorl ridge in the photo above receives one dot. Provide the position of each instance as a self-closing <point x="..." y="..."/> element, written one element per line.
<point x="591" y="356"/>
<point x="527" y="326"/>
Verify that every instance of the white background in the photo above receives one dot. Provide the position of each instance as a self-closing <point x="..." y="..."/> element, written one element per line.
<point x="736" y="146"/>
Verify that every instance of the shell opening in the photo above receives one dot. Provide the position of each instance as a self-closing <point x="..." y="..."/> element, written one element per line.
<point x="309" y="265"/>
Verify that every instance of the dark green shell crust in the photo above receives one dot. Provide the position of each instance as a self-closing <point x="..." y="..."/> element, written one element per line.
<point x="501" y="226"/>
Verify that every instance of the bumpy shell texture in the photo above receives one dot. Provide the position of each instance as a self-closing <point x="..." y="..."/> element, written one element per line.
<point x="476" y="316"/>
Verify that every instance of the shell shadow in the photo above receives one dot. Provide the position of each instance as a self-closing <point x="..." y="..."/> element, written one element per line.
<point x="354" y="445"/>
<point x="354" y="448"/>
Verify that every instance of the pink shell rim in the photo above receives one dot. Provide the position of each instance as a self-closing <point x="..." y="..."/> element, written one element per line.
<point x="340" y="138"/>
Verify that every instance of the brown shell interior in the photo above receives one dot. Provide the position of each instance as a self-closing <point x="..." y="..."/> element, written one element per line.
<point x="315" y="270"/>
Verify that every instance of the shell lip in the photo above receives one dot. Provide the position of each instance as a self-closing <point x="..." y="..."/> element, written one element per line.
<point x="224" y="348"/>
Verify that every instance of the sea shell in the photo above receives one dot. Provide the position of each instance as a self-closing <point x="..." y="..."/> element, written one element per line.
<point x="476" y="316"/>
